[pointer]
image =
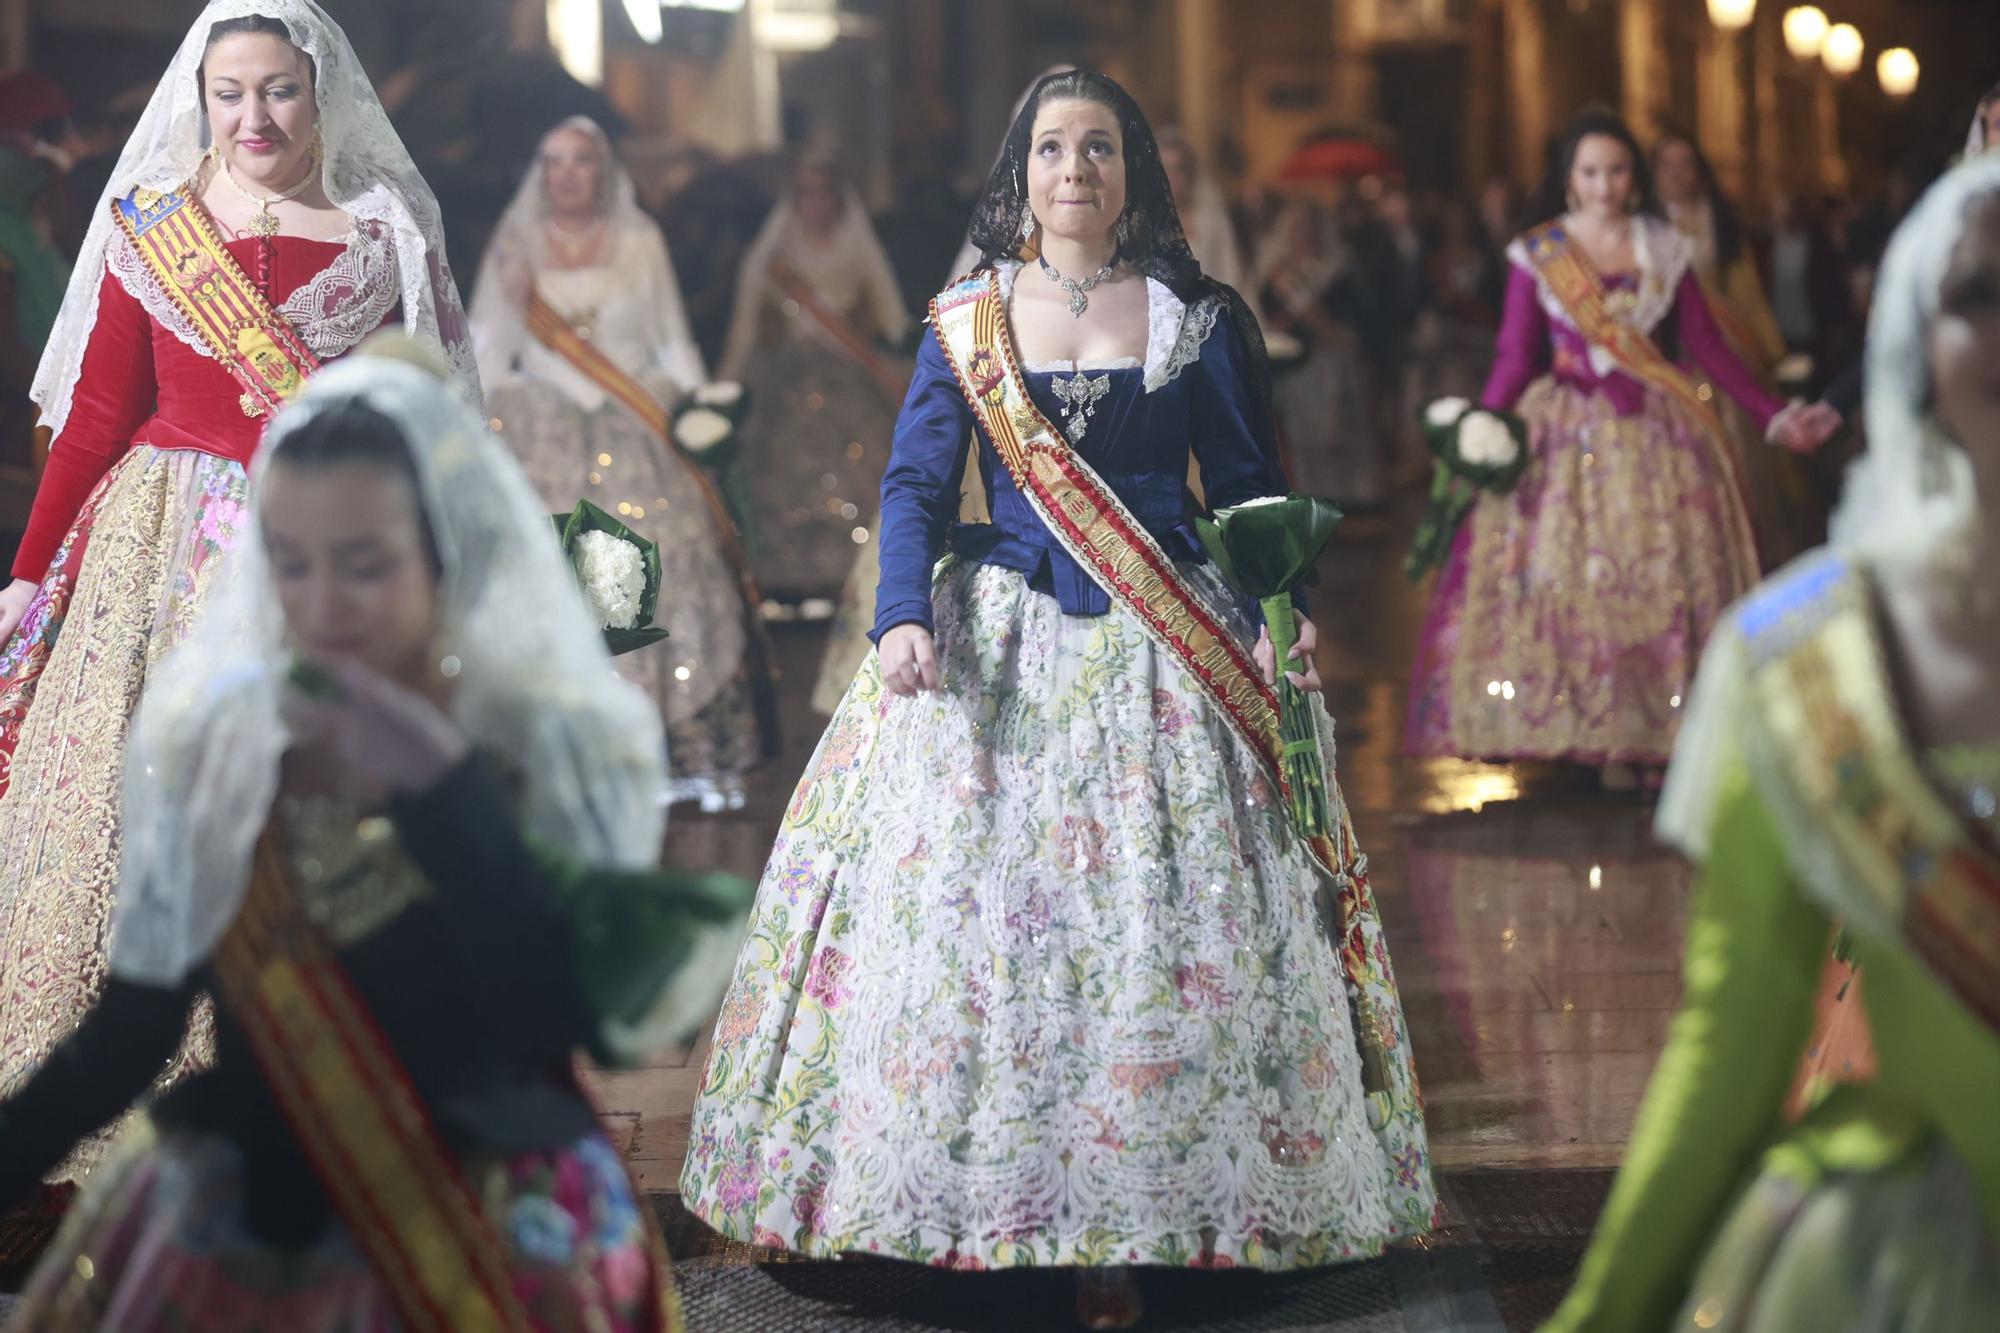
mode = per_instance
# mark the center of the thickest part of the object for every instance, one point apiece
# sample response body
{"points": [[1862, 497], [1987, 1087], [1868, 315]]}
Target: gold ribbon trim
{"points": [[353, 1109], [1095, 527], [1577, 286], [178, 242], [1823, 697]]}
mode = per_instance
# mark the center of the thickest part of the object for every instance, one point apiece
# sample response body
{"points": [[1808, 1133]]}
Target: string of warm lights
{"points": [[1810, 35]]}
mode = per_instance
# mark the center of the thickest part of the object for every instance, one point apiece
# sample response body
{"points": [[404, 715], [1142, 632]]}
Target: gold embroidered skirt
{"points": [[123, 590], [1570, 619]]}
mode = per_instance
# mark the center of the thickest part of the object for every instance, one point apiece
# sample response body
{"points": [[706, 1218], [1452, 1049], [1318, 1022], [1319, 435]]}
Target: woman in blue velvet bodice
{"points": [[1192, 393], [1037, 973]]}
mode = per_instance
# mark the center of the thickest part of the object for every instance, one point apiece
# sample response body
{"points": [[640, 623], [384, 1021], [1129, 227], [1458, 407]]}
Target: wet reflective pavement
{"points": [[1536, 930]]}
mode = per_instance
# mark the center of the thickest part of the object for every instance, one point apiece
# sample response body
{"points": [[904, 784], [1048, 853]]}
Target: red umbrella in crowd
{"points": [[1338, 159]]}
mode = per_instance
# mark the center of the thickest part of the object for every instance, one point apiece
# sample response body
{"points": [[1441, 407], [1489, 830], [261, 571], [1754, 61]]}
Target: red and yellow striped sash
{"points": [[180, 247], [352, 1107], [1096, 528]]}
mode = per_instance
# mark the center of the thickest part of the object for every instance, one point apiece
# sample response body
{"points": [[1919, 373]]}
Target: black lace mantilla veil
{"points": [[1153, 242]]}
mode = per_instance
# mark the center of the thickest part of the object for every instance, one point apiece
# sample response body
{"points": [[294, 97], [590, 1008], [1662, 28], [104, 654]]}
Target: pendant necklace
{"points": [[1078, 301], [572, 248], [264, 223]]}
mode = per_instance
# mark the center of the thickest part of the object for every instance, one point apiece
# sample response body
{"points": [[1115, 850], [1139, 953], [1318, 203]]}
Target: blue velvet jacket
{"points": [[1192, 394]]}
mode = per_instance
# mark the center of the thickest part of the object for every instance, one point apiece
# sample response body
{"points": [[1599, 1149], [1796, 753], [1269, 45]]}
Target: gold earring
{"points": [[318, 145]]}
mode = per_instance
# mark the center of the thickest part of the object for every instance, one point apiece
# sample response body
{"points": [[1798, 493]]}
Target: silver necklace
{"points": [[1078, 301]]}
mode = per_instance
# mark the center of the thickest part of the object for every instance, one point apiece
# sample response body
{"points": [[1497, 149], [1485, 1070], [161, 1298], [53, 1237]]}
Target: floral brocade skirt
{"points": [[1570, 618], [123, 589], [159, 1243], [1039, 975]]}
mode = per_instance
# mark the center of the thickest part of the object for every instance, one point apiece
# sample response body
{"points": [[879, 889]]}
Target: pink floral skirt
{"points": [[1572, 613], [158, 1244]]}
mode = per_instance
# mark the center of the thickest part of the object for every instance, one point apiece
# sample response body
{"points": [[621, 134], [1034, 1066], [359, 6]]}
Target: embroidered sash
{"points": [[1577, 286], [1101, 534], [351, 1106], [1096, 528], [180, 247], [1825, 711], [557, 334]]}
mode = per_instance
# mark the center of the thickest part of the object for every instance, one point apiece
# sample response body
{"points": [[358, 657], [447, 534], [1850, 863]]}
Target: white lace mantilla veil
{"points": [[1910, 493], [854, 246], [519, 249], [535, 687], [366, 171]]}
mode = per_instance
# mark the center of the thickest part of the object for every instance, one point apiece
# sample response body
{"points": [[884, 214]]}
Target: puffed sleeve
{"points": [[1232, 434], [920, 489], [1523, 345], [115, 393], [1704, 341], [1755, 947]]}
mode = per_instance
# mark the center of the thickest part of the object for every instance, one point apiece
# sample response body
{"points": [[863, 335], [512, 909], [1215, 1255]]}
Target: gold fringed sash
{"points": [[352, 1107], [1576, 285], [1826, 708], [181, 249], [1095, 527]]}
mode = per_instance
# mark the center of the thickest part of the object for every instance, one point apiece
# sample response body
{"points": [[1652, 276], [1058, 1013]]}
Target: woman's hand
{"points": [[390, 741], [15, 599], [1802, 427], [909, 660], [1302, 653]]}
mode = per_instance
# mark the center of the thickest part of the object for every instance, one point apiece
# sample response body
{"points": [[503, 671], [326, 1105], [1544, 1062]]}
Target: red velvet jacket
{"points": [[141, 384]]}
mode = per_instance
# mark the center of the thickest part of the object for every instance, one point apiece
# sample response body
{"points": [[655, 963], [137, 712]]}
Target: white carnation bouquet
{"points": [[618, 573], [1477, 449]]}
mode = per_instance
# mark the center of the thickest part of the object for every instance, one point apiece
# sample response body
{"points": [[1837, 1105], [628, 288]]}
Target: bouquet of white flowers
{"points": [[618, 572], [1477, 450], [706, 427]]}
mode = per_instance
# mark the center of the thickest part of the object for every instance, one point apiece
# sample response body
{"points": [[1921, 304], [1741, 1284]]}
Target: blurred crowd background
{"points": [[1356, 167]]}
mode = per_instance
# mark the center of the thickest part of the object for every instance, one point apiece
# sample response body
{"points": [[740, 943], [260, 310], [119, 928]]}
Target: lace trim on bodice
{"points": [[349, 298], [342, 304], [1175, 333], [1662, 254]]}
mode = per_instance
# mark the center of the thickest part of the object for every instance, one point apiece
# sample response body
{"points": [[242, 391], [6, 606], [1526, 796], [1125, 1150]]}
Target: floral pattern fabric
{"points": [[160, 1243], [1571, 616], [1038, 974]]}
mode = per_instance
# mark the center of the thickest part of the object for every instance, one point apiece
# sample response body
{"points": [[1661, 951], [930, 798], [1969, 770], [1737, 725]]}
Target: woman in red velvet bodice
{"points": [[142, 385], [320, 210]]}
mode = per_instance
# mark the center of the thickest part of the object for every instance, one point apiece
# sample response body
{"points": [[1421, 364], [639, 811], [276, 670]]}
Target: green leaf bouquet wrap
{"points": [[1477, 450], [707, 428], [1267, 548], [653, 949], [618, 572]]}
